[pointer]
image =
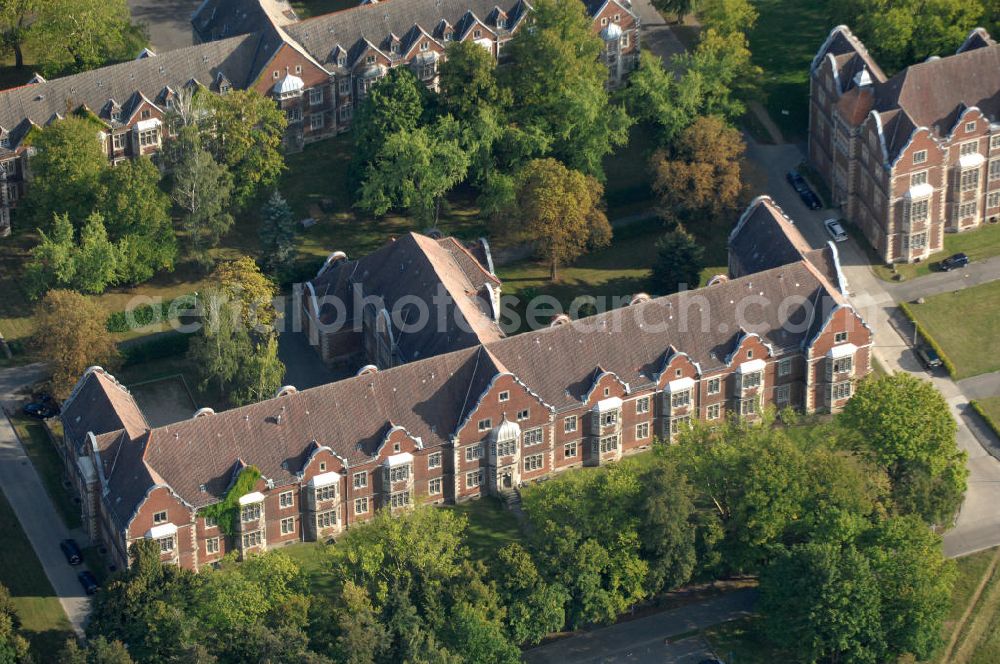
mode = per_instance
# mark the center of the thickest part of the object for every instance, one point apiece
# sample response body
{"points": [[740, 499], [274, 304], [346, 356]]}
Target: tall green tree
{"points": [[245, 137], [679, 8], [557, 83], [559, 210], [277, 234], [53, 260], [468, 81], [16, 22], [725, 72], [202, 189], [136, 213], [414, 170], [726, 16], [259, 375], [97, 260], [679, 261], [905, 425], [394, 104], [666, 527], [14, 648], [823, 603], [67, 171], [76, 35], [654, 95], [97, 651], [221, 344], [535, 607]]}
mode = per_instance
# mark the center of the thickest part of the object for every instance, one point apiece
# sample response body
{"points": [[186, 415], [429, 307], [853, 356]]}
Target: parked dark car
{"points": [[88, 581], [72, 551], [954, 262], [40, 411], [800, 185], [929, 357]]}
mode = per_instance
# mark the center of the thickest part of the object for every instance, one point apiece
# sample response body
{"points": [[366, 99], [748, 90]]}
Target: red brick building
{"points": [[478, 420], [913, 156], [318, 71]]}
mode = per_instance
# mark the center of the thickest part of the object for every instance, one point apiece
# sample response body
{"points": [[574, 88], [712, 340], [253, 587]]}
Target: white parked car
{"points": [[835, 230]]}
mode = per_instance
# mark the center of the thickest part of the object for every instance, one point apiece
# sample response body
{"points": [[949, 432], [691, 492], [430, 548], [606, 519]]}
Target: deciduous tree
{"points": [[679, 260], [16, 22], [76, 35], [656, 96], [14, 648], [560, 211], [726, 74], [202, 189], [680, 8], [53, 260], [535, 607], [726, 16], [394, 104], [97, 260], [468, 81], [70, 335]]}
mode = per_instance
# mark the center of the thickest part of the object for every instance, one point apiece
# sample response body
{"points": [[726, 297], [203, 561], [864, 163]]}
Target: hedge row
{"points": [[147, 314], [161, 346], [929, 340], [990, 422]]}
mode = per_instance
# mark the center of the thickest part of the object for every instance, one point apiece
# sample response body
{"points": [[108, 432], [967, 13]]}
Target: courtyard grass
{"points": [[743, 641], [43, 620], [49, 466], [977, 637], [309, 8], [783, 43], [973, 346], [491, 526]]}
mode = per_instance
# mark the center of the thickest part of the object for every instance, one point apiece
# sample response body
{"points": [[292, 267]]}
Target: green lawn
{"points": [[742, 641], [783, 43], [974, 345], [308, 8], [491, 526], [42, 617], [978, 244], [992, 407], [978, 638], [311, 557], [49, 466]]}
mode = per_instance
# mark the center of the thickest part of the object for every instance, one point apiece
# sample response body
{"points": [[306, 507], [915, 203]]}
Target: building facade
{"points": [[479, 420], [318, 71], [911, 157]]}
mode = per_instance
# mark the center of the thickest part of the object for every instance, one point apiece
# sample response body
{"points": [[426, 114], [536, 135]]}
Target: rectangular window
{"points": [[609, 444], [434, 486], [569, 424], [148, 137], [918, 211], [680, 399], [294, 114], [995, 142], [840, 337], [642, 405], [253, 539], [714, 385], [523, 415], [317, 121], [843, 365], [399, 474], [250, 513], [326, 493], [970, 127], [361, 505], [785, 366], [841, 391], [166, 544], [751, 380], [918, 241], [288, 525], [211, 522], [344, 86], [477, 34], [969, 179], [642, 431], [360, 480], [569, 450], [504, 396], [532, 437], [473, 452], [678, 424], [473, 479], [610, 418], [748, 406], [286, 499], [316, 96], [485, 425], [993, 200], [323, 520], [424, 46], [713, 411], [533, 462], [782, 394], [118, 141], [506, 448], [399, 499], [434, 461], [917, 179], [920, 156], [971, 147], [995, 169], [966, 210], [212, 545], [160, 517]]}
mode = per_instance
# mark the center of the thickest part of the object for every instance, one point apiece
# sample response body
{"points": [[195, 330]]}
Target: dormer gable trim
{"points": [[599, 374], [744, 336], [479, 400]]}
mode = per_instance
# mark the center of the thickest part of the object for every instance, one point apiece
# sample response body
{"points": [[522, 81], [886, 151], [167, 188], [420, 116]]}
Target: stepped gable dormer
{"points": [[111, 111], [978, 38], [498, 19], [444, 31], [472, 27], [676, 365], [392, 45], [222, 83], [338, 56]]}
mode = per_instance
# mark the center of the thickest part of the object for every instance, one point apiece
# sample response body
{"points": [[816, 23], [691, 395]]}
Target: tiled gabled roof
{"points": [[765, 238], [99, 404]]}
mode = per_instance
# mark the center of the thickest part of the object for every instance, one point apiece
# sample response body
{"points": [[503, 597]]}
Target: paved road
{"points": [[14, 381], [30, 502], [975, 274], [978, 525], [654, 32], [643, 640], [168, 22], [981, 387]]}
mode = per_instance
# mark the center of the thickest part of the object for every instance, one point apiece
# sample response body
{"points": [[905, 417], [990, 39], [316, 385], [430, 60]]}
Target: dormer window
{"points": [[920, 156], [341, 60], [970, 127], [370, 60], [477, 34], [4, 141], [501, 22], [424, 46], [145, 114], [394, 48], [116, 114], [449, 35]]}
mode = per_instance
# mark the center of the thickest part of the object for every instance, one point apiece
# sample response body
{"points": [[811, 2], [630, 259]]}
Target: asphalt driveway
{"points": [[168, 22]]}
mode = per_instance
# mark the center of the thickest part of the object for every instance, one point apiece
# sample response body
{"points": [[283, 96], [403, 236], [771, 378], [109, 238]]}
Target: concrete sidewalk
{"points": [[644, 639], [41, 523]]}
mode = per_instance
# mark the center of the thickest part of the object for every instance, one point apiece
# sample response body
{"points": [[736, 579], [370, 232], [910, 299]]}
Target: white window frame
{"points": [[503, 396], [474, 452], [323, 493], [714, 385], [569, 424], [680, 399], [533, 462], [399, 499], [252, 539], [212, 545], [315, 96], [286, 499], [326, 519], [360, 480], [485, 425], [287, 525], [160, 517], [399, 473], [523, 415], [317, 121], [434, 460], [782, 394], [920, 156], [642, 431], [435, 487], [167, 544], [473, 479], [969, 147], [361, 505], [251, 512], [642, 405], [571, 449], [785, 366], [532, 437], [713, 412]]}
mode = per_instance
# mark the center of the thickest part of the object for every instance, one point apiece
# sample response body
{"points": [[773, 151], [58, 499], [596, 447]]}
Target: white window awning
{"points": [[251, 498], [753, 366], [143, 125], [324, 479], [843, 350], [400, 459], [161, 531], [972, 160], [611, 403], [680, 385], [919, 191]]}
